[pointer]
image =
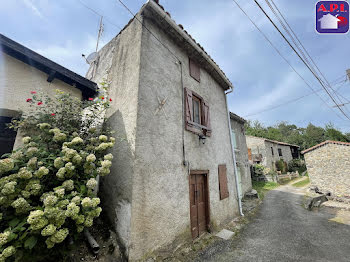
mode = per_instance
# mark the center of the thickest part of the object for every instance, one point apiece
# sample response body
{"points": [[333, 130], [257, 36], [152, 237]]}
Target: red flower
{"points": [[110, 100], [53, 114], [40, 103], [102, 98], [90, 99], [33, 92], [29, 100]]}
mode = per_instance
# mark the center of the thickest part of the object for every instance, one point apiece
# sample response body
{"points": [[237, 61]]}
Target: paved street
{"points": [[284, 231]]}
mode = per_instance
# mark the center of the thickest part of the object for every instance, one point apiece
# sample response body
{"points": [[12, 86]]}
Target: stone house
{"points": [[328, 166], [241, 153], [267, 152], [173, 176], [22, 71]]}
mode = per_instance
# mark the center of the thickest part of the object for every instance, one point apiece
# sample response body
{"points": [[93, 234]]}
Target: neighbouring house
{"points": [[172, 177], [267, 152], [328, 166], [241, 151], [22, 71]]}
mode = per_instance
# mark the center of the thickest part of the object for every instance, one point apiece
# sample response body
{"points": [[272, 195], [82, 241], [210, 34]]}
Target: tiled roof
{"points": [[237, 117], [325, 143], [275, 142], [220, 75]]}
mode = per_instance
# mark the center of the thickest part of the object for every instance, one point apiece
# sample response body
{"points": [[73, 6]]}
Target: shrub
{"points": [[281, 166], [258, 169], [46, 186], [296, 165]]}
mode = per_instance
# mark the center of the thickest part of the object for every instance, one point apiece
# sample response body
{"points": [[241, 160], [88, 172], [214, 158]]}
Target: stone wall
{"points": [[329, 168], [262, 146], [241, 152], [272, 159]]}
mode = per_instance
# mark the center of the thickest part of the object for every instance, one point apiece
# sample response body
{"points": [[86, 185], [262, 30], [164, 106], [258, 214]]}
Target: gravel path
{"points": [[284, 231]]}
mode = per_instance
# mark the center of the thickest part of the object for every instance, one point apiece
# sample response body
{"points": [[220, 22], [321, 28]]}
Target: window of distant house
{"points": [[195, 71], [272, 151], [197, 114], [234, 139], [7, 136], [280, 152]]}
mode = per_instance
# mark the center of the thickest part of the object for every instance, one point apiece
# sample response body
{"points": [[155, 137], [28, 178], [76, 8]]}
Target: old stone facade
{"points": [[23, 71], [241, 151], [328, 166], [148, 194], [267, 152]]}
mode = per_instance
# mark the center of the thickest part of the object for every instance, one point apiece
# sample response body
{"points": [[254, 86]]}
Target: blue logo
{"points": [[332, 17]]}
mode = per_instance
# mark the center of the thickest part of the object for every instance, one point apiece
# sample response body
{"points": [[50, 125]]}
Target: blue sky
{"points": [[63, 30]]}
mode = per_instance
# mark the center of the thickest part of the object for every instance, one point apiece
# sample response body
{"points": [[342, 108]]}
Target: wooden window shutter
{"points": [[206, 118], [195, 70], [188, 107], [223, 188], [249, 154]]}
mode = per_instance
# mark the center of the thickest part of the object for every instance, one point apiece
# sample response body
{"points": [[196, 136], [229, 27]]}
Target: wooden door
{"points": [[199, 211]]}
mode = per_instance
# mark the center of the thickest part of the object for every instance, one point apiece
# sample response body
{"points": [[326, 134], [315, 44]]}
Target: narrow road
{"points": [[284, 231]]}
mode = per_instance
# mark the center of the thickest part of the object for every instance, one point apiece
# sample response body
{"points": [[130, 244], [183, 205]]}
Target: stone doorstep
{"points": [[225, 234], [336, 204]]}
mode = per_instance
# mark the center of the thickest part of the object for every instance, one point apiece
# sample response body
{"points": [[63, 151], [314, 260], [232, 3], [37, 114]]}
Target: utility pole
{"points": [[348, 73], [100, 30]]}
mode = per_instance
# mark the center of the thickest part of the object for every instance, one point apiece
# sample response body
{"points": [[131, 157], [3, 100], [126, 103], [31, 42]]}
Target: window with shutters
{"points": [[195, 71], [223, 188], [196, 114]]}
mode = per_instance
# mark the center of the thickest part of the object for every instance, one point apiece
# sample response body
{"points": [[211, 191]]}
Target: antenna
{"points": [[93, 56], [100, 30]]}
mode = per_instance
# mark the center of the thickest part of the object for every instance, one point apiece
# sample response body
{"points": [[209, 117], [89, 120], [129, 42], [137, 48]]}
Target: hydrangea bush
{"points": [[47, 185]]}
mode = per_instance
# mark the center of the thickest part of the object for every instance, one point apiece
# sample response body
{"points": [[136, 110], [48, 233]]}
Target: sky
{"points": [[64, 30]]}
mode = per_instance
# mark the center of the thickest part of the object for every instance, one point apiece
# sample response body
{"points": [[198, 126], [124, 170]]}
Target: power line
{"points": [[293, 36], [283, 104], [134, 15], [276, 49], [306, 64], [99, 14]]}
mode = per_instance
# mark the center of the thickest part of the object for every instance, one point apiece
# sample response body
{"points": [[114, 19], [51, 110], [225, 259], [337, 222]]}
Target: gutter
{"points": [[233, 153]]}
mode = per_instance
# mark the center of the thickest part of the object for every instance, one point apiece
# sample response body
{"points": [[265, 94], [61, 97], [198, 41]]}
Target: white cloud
{"points": [[35, 10], [69, 53]]}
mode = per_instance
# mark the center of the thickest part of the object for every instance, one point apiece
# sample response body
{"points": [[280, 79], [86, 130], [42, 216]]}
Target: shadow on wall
{"points": [[116, 188]]}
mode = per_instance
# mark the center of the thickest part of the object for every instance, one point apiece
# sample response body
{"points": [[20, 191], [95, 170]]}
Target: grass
{"points": [[262, 187], [302, 183]]}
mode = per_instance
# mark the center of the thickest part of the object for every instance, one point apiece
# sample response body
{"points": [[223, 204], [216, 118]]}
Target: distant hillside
{"points": [[289, 133]]}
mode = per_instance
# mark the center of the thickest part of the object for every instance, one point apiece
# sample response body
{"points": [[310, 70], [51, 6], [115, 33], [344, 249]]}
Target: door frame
{"points": [[205, 173]]}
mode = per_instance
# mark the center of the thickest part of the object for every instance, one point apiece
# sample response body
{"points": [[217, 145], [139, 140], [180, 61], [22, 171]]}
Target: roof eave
{"points": [[164, 21], [31, 58]]}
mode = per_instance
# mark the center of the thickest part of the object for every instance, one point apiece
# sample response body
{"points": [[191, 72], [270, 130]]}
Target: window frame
{"points": [[280, 152], [273, 153], [192, 126], [194, 70]]}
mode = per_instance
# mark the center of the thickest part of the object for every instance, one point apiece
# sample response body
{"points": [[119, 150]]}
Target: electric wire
{"points": [[285, 59], [305, 63], [295, 39], [99, 14]]}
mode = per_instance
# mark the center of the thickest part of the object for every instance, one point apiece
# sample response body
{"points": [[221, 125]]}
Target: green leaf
{"points": [[30, 242], [11, 237], [23, 236], [14, 222]]}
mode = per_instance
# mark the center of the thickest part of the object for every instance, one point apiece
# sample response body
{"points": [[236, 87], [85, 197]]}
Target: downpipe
{"points": [[94, 246], [233, 154]]}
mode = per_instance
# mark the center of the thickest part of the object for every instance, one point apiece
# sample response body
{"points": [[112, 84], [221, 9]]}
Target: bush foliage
{"points": [[47, 185]]}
